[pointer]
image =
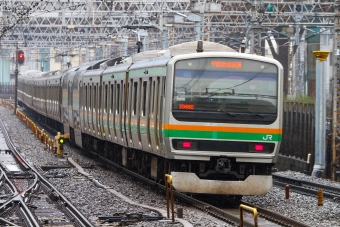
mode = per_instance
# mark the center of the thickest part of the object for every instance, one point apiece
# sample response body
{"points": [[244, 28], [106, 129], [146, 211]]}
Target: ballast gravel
{"points": [[94, 201]]}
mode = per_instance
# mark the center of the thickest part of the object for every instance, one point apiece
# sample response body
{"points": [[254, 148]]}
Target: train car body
{"points": [[210, 117]]}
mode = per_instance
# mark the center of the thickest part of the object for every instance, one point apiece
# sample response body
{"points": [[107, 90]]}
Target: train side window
{"points": [[94, 97], [153, 98], [70, 95], [105, 98], [86, 100], [135, 89], [129, 90], [112, 98], [117, 98], [145, 83], [90, 98]]}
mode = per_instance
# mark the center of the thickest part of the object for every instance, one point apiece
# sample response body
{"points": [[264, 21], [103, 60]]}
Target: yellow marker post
{"points": [[242, 206], [168, 183], [320, 197]]}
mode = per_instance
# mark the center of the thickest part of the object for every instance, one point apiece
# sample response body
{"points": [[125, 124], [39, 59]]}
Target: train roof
{"points": [[191, 47], [179, 49]]}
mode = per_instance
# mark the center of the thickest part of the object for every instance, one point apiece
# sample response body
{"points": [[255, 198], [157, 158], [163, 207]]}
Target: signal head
{"points": [[61, 140], [21, 57]]}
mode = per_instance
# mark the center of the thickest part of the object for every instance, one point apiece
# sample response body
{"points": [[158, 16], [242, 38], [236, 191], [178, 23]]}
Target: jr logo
{"points": [[268, 137]]}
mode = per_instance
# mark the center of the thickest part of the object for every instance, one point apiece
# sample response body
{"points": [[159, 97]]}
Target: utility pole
{"points": [[16, 72], [254, 28], [336, 94]]}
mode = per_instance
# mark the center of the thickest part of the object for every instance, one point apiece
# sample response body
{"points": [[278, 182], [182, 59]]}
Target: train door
{"points": [[154, 114], [45, 96], [96, 114], [48, 100], [128, 113], [82, 102], [135, 113], [70, 100], [89, 112], [76, 102], [124, 110], [118, 111], [104, 111], [144, 112], [86, 105], [65, 100], [160, 113], [112, 111], [93, 109]]}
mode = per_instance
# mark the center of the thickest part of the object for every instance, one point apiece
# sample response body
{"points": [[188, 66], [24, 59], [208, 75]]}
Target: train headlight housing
{"points": [[261, 147]]}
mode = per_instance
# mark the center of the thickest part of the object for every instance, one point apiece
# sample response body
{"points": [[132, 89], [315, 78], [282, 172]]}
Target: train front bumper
{"points": [[252, 185]]}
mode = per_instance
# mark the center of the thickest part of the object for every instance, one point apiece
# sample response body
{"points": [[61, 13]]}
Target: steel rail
{"points": [[208, 208], [275, 217], [2, 220], [78, 218], [11, 146], [307, 187]]}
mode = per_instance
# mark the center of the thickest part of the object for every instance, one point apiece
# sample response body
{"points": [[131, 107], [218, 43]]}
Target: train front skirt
{"points": [[253, 185]]}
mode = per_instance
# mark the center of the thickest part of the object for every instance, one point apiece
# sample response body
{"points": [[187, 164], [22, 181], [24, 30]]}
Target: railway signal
{"points": [[21, 57], [60, 143]]}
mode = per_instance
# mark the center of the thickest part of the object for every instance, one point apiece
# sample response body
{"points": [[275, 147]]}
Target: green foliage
{"points": [[305, 99]]}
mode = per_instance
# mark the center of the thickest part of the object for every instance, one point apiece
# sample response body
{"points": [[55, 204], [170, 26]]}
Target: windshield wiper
{"points": [[218, 93], [246, 109], [257, 95], [227, 113]]}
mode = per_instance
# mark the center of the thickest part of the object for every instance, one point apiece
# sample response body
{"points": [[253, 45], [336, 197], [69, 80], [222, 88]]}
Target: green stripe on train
{"points": [[223, 135]]}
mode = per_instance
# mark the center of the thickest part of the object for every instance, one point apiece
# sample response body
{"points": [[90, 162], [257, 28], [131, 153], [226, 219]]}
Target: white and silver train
{"points": [[200, 111]]}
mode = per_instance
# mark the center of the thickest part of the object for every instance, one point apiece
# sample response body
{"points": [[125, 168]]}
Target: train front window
{"points": [[224, 89]]}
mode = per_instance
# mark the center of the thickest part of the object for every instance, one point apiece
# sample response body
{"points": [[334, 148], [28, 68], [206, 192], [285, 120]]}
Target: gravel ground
{"points": [[94, 201], [91, 200]]}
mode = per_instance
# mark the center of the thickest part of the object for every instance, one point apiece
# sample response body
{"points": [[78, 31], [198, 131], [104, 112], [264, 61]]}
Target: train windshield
{"points": [[225, 85]]}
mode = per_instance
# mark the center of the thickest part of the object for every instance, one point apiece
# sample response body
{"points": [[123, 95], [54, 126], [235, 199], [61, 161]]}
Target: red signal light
{"points": [[21, 57], [186, 144], [258, 147]]}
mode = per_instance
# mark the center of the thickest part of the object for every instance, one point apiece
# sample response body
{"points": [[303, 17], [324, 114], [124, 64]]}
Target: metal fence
{"points": [[298, 130], [7, 88]]}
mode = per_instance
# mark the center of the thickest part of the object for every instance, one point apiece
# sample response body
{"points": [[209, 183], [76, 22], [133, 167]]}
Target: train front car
{"points": [[225, 125]]}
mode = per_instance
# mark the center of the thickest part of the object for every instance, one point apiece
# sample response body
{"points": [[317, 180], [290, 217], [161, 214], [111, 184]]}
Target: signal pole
{"points": [[16, 72]]}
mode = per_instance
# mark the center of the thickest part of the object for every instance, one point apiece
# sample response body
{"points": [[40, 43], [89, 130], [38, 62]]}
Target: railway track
{"points": [[307, 187], [228, 215], [231, 216], [29, 199]]}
